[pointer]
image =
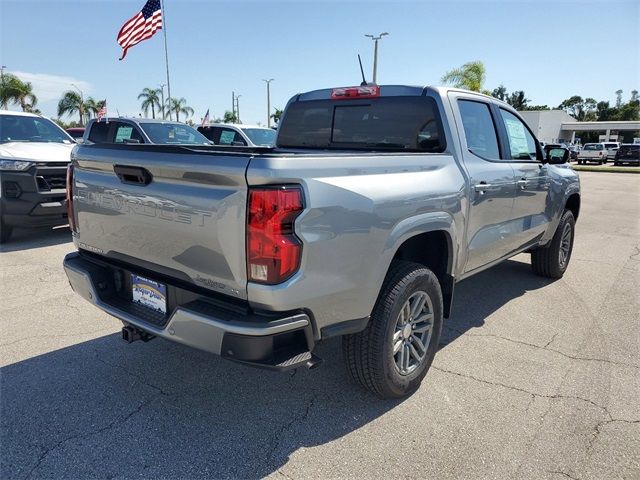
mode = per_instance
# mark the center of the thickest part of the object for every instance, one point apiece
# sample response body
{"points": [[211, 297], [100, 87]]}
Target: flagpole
{"points": [[166, 56]]}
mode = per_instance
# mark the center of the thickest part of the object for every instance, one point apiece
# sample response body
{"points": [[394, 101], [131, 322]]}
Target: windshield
{"points": [[173, 134], [386, 123], [18, 128], [592, 146], [261, 136]]}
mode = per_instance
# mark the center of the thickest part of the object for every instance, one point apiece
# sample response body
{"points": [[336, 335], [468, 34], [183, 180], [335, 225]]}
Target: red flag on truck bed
{"points": [[141, 26]]}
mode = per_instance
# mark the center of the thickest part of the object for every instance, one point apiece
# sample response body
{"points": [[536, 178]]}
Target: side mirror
{"points": [[556, 156]]}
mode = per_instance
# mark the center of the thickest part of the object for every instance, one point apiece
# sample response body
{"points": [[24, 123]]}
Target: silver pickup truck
{"points": [[374, 203]]}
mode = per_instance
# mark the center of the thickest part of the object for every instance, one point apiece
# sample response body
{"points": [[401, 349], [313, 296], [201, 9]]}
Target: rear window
{"points": [[630, 149], [386, 123], [592, 146]]}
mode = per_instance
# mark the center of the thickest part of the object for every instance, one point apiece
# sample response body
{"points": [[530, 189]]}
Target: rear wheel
{"points": [[552, 261], [393, 354]]}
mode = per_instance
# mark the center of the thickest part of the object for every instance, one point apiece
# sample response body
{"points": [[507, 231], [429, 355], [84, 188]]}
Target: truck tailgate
{"points": [[165, 209]]}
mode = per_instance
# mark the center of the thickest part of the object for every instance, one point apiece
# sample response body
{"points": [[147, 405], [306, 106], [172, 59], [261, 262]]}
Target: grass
{"points": [[605, 168]]}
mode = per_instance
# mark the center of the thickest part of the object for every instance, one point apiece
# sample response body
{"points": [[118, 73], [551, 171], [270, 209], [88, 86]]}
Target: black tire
{"points": [[5, 232], [546, 261], [369, 354]]}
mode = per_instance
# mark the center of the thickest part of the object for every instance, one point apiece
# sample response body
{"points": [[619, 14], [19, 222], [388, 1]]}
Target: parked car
{"points": [[573, 152], [142, 130], [628, 153], [375, 202], [34, 155], [592, 152], [239, 135], [76, 132], [612, 149]]}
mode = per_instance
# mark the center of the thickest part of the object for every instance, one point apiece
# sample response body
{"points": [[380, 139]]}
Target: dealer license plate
{"points": [[151, 294]]}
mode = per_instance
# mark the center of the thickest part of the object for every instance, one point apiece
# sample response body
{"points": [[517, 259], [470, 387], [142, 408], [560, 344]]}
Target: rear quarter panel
{"points": [[360, 208]]}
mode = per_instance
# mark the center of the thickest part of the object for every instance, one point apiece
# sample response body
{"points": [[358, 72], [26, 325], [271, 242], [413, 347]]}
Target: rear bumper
{"points": [[279, 342]]}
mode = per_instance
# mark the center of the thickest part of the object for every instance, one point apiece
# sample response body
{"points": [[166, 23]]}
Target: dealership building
{"points": [[557, 126]]}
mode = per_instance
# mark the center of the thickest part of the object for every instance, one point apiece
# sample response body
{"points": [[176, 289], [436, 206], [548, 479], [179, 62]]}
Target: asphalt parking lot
{"points": [[534, 379]]}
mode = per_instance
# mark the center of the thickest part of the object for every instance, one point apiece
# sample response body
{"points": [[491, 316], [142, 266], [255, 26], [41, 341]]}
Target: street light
{"points": [[375, 53], [268, 82]]}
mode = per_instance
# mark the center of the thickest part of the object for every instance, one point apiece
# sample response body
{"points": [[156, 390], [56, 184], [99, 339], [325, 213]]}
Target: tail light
{"points": [[273, 250], [72, 220]]}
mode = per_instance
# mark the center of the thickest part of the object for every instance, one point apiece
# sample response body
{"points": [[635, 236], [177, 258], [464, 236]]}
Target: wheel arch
{"points": [[432, 244]]}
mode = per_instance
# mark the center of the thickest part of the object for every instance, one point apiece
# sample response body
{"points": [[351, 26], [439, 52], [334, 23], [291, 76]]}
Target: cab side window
{"points": [[479, 129], [99, 132], [230, 137], [124, 132], [522, 145]]}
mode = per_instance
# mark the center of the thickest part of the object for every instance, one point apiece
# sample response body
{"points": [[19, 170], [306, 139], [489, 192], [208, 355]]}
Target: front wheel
{"points": [[552, 261], [393, 354]]}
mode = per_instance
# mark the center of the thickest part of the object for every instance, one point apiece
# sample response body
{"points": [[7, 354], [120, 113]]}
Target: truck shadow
{"points": [[104, 408], [26, 239]]}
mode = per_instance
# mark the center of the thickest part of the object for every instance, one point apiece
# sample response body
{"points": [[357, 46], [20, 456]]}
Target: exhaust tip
{"points": [[314, 362]]}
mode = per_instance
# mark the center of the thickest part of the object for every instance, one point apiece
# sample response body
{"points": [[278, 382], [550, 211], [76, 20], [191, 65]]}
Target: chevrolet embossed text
{"points": [[147, 208]]}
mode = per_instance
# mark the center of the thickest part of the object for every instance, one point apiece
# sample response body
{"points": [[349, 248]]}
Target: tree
{"points": [[276, 115], [92, 107], [150, 99], [70, 103], [179, 105], [618, 98], [470, 76], [583, 110], [500, 93], [230, 117], [518, 100], [634, 95], [15, 91]]}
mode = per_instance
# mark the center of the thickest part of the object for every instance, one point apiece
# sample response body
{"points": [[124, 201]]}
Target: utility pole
{"points": [[268, 82], [162, 85], [233, 103], [238, 109], [375, 53]]}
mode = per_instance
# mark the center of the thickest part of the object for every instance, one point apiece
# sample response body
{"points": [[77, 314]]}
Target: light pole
{"points": [[238, 108], [162, 85], [375, 53], [82, 112], [268, 82]]}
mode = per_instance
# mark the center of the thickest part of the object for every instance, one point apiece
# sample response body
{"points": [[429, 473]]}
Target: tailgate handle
{"points": [[133, 175]]}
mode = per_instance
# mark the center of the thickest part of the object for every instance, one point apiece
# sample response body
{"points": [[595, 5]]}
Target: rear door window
{"points": [[125, 133], [479, 129]]}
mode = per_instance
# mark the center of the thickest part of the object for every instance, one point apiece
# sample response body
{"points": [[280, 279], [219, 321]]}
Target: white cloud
{"points": [[51, 87]]}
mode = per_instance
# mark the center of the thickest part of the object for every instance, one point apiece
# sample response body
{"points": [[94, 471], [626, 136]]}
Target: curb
{"points": [[587, 168]]}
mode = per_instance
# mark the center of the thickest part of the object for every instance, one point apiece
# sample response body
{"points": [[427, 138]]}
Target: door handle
{"points": [[133, 175], [522, 183], [482, 187]]}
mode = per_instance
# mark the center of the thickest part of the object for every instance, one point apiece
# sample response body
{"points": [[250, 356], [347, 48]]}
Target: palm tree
{"points": [[25, 96], [92, 107], [14, 90], [276, 115], [470, 76], [179, 105], [150, 99], [70, 103]]}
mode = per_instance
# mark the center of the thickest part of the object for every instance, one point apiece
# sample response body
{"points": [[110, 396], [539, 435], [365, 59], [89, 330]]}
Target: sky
{"points": [[550, 49]]}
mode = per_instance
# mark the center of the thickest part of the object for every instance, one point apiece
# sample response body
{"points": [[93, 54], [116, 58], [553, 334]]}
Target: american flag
{"points": [[205, 120], [141, 26], [103, 111]]}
